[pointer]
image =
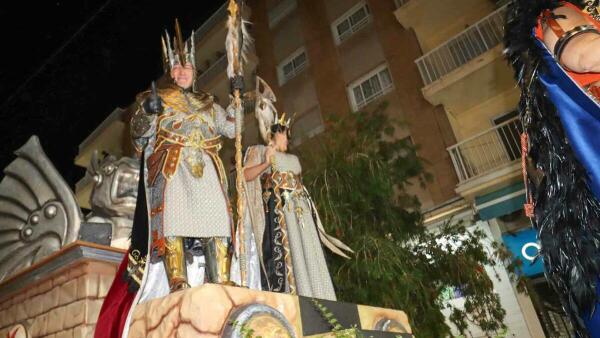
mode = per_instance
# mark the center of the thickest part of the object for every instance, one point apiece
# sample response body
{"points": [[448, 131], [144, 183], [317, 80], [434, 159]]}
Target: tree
{"points": [[359, 181]]}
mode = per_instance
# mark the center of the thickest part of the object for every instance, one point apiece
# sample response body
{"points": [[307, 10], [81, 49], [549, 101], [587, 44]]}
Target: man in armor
{"points": [[178, 131], [181, 230]]}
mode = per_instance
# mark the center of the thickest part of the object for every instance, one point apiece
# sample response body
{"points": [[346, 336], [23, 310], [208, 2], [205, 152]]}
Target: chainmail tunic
{"points": [[192, 206]]}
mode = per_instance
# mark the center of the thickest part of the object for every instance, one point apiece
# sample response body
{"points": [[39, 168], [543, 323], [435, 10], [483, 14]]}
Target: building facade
{"points": [[463, 72], [337, 57]]}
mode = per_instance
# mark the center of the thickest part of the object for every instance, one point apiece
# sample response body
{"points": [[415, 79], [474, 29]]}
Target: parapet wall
{"points": [[61, 296]]}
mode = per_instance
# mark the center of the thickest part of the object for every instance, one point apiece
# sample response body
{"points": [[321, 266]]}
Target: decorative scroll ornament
{"points": [[592, 7], [38, 211], [260, 320]]}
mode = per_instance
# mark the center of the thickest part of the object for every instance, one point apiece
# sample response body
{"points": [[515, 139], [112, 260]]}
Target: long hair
{"points": [[279, 128]]}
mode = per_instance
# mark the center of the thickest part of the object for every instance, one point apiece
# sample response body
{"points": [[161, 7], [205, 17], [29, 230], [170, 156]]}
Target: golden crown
{"points": [[282, 121]]}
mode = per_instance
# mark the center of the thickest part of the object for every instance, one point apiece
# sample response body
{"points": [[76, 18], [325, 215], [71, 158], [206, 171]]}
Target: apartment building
{"points": [[340, 56]]}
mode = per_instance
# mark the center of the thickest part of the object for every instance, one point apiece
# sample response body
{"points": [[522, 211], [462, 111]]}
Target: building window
{"points": [[351, 22], [371, 86], [292, 65], [280, 11]]}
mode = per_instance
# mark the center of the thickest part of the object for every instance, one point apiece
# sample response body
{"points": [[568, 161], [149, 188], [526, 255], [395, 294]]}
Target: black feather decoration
{"points": [[567, 214]]}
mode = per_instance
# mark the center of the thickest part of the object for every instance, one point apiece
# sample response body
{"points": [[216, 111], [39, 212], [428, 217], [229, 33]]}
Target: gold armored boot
{"points": [[217, 259], [175, 264]]}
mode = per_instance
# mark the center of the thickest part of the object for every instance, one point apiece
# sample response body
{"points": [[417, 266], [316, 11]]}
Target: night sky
{"points": [[60, 84]]}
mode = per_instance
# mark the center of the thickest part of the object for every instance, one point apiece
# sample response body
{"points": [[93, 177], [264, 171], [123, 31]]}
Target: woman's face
{"points": [[280, 141]]}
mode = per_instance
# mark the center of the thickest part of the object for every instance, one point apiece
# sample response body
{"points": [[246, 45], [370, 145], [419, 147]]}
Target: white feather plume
{"points": [[232, 43], [264, 109]]}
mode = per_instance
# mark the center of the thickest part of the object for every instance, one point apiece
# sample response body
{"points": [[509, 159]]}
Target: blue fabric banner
{"points": [[580, 117]]}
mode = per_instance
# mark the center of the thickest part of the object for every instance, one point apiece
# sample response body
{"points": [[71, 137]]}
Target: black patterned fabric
{"points": [[272, 248]]}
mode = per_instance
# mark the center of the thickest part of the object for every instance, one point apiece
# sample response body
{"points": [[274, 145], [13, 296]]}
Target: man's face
{"points": [[183, 75]]}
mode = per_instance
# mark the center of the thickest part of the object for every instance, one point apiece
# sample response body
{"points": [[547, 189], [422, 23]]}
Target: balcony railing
{"points": [[216, 68], [462, 48], [487, 151], [400, 3]]}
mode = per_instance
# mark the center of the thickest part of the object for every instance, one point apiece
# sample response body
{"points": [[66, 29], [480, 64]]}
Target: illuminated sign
{"points": [[524, 245]]}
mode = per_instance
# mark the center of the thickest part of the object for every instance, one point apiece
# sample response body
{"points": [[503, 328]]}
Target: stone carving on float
{"points": [[38, 210], [114, 195], [263, 320]]}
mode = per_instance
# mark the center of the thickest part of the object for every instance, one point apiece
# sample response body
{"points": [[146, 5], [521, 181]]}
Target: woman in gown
{"points": [[284, 222]]}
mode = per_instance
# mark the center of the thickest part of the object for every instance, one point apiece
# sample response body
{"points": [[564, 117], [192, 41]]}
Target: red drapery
{"points": [[115, 308]]}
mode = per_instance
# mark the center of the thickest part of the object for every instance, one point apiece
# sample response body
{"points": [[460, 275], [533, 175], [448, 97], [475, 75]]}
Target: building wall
{"points": [[335, 8], [429, 126], [322, 88], [471, 122], [472, 91], [360, 54], [325, 69], [287, 36], [444, 18], [521, 320], [65, 303], [471, 95]]}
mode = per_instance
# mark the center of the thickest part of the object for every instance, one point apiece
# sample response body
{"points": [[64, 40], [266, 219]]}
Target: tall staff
{"points": [[236, 46]]}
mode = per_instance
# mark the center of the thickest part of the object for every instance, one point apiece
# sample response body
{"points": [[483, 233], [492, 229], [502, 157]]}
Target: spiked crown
{"points": [[280, 120], [177, 51]]}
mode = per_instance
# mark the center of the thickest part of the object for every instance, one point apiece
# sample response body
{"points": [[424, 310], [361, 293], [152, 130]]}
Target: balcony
{"points": [[215, 69], [469, 70], [400, 3], [462, 48], [488, 159]]}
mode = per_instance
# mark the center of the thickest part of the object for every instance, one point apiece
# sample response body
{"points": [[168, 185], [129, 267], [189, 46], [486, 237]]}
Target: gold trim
{"points": [[284, 238], [287, 180]]}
